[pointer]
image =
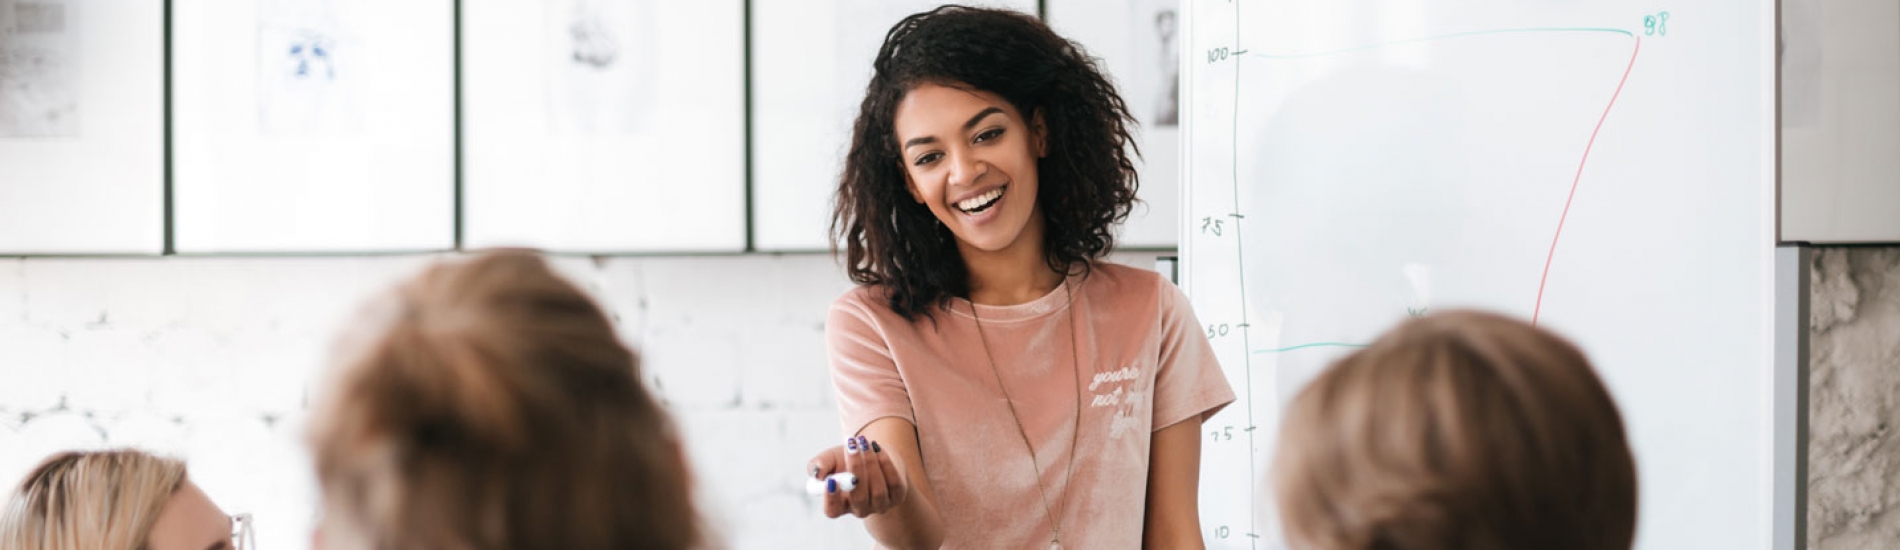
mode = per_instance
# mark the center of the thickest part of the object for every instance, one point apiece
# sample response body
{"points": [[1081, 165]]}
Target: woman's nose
{"points": [[967, 170]]}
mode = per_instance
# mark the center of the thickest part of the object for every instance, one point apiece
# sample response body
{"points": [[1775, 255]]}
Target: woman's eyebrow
{"points": [[979, 117], [913, 142]]}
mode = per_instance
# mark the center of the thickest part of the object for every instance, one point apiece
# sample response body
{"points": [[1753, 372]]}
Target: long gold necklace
{"points": [[1055, 519]]}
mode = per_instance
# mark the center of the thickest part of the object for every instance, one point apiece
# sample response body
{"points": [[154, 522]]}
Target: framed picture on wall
{"points": [[313, 125], [810, 64], [81, 127], [604, 126], [1139, 44]]}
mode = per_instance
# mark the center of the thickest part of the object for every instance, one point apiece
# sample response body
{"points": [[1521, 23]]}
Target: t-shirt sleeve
{"points": [[863, 373], [1189, 384]]}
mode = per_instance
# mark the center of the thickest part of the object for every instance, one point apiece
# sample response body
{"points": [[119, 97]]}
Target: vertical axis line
{"points": [[1240, 268]]}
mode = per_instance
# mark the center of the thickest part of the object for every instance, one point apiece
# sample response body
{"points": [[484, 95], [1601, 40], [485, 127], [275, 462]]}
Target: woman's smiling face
{"points": [[970, 157]]}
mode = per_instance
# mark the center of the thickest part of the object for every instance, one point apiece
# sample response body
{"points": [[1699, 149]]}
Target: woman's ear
{"points": [[1041, 132]]}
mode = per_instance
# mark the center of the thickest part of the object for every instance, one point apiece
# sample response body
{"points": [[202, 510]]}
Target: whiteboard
{"points": [[313, 125], [1840, 121], [1598, 166], [604, 126], [81, 82], [810, 64], [1137, 43]]}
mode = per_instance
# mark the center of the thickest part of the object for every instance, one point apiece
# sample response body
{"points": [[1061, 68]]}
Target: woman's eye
{"points": [[989, 135], [927, 158]]}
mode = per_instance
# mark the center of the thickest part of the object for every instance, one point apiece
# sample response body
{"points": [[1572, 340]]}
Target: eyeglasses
{"points": [[241, 535]]}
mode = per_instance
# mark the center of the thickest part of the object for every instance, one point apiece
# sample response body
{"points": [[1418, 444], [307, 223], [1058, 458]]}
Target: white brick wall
{"points": [[210, 359]]}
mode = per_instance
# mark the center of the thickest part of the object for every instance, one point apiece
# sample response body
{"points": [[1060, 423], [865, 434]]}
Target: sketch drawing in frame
{"points": [[39, 73], [306, 81], [603, 62]]}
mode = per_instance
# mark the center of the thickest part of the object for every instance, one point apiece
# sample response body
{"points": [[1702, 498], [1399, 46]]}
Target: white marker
{"points": [[846, 482]]}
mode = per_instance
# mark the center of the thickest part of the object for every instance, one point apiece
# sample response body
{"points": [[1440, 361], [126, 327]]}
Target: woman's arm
{"points": [[914, 523], [893, 494], [1174, 478]]}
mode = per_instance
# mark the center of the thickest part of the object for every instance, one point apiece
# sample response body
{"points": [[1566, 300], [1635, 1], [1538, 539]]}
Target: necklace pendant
{"points": [[1055, 544]]}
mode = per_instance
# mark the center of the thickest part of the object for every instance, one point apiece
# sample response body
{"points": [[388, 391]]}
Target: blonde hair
{"points": [[492, 407], [1459, 430], [99, 500]]}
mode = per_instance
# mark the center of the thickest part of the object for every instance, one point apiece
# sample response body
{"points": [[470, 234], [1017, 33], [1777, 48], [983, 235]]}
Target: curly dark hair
{"points": [[1087, 179]]}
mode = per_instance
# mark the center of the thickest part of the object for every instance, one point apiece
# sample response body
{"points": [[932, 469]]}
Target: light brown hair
{"points": [[99, 500], [488, 405], [1460, 430]]}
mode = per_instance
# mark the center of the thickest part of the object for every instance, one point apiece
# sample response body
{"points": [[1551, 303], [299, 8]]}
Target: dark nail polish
{"points": [[851, 444], [875, 448], [863, 443], [814, 471], [831, 486]]}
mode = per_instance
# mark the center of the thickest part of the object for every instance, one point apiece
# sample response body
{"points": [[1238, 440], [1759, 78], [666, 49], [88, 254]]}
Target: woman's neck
{"points": [[1016, 274]]}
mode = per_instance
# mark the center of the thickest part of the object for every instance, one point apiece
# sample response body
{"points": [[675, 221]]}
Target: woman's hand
{"points": [[882, 481], [892, 492]]}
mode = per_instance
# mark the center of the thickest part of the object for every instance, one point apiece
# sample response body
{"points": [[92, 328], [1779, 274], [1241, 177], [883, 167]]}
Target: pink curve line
{"points": [[1539, 307]]}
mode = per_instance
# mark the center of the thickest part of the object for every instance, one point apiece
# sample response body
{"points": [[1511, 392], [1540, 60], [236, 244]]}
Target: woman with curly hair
{"points": [[1001, 386]]}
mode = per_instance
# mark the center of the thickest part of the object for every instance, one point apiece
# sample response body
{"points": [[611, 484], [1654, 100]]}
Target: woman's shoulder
{"points": [[1118, 281], [868, 304], [1133, 292], [866, 311], [862, 299]]}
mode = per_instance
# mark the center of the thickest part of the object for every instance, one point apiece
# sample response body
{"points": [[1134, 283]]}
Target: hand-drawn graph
{"points": [[1353, 163], [601, 57], [39, 82]]}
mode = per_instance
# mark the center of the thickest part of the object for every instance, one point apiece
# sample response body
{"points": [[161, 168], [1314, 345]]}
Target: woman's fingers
{"points": [[877, 483], [836, 506], [873, 475], [824, 463], [856, 452], [828, 462], [894, 481]]}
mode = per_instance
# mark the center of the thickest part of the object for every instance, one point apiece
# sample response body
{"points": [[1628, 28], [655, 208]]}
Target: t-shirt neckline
{"points": [[1052, 302]]}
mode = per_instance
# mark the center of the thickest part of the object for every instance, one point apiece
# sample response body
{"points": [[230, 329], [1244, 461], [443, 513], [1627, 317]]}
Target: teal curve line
{"points": [[1441, 37], [1312, 345]]}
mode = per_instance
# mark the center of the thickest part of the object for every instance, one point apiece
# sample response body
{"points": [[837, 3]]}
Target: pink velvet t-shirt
{"points": [[1144, 365]]}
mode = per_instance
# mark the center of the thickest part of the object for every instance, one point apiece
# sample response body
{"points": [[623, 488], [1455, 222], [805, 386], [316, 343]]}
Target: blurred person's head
{"points": [[1459, 430], [112, 500], [487, 404]]}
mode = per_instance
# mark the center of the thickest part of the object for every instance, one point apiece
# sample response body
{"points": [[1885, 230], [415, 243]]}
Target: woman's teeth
{"points": [[981, 202]]}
